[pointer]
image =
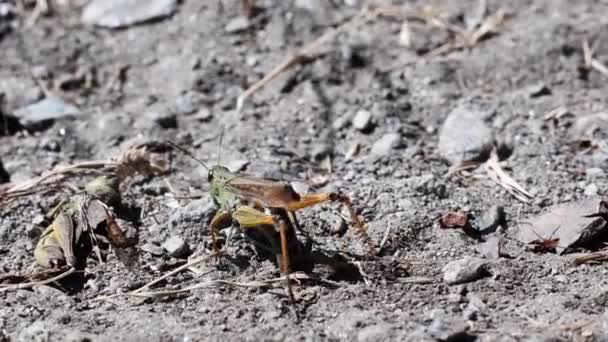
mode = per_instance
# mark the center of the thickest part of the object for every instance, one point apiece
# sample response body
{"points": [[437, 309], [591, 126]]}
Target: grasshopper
{"points": [[257, 203], [71, 218]]}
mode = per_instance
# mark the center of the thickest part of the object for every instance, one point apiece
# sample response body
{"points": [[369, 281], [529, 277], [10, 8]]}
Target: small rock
{"points": [[320, 151], [341, 122], [594, 172], [591, 190], [464, 270], [123, 13], [237, 165], [363, 120], [4, 176], [376, 332], [203, 115], [300, 187], [386, 144], [538, 90], [491, 219], [585, 126], [475, 307], [45, 111], [152, 249], [176, 246], [238, 24], [165, 119], [195, 211], [490, 248], [464, 136]]}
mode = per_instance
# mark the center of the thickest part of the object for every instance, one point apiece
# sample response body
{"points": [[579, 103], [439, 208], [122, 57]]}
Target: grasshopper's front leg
{"points": [[216, 223], [309, 200]]}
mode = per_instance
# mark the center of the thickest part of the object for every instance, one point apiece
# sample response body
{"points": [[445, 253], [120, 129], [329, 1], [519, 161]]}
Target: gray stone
{"points": [[490, 248], [238, 24], [46, 110], [152, 249], [491, 219], [376, 332], [320, 151], [237, 165], [591, 190], [195, 211], [123, 13], [176, 246], [386, 144], [362, 120], [464, 136], [464, 270], [565, 222], [4, 176]]}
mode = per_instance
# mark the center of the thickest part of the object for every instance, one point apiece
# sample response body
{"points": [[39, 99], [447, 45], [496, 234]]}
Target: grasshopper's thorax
{"points": [[222, 196]]}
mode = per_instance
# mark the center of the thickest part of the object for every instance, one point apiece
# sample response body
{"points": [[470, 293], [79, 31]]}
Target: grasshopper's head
{"points": [[218, 176]]}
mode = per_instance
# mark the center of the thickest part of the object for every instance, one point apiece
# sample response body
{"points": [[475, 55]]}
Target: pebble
{"points": [[163, 118], [195, 211], [491, 219], [490, 248], [237, 165], [464, 270], [320, 151], [152, 249], [203, 115], [376, 332], [46, 110], [475, 307], [176, 246], [363, 120], [464, 136], [591, 190], [238, 24], [386, 144], [123, 13], [4, 176]]}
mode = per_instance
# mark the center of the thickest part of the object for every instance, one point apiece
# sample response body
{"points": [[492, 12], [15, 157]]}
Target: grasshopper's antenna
{"points": [[219, 146], [188, 153]]}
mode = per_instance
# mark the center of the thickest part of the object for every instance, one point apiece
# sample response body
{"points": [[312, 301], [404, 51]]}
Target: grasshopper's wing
{"points": [[265, 193]]}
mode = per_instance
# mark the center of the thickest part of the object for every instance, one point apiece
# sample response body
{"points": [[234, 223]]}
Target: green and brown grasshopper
{"points": [[257, 203], [59, 243]]}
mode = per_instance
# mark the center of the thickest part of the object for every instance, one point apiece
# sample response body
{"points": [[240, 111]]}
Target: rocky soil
{"points": [[410, 112]]}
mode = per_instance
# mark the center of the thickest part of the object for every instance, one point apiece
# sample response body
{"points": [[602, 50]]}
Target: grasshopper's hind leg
{"points": [[249, 217], [309, 200]]}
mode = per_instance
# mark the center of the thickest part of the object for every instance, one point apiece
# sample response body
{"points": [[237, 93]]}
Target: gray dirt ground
{"points": [[287, 129]]}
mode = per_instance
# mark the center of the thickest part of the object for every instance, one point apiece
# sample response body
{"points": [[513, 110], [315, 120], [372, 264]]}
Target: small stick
{"points": [[498, 175], [175, 271], [9, 287], [387, 233], [308, 52]]}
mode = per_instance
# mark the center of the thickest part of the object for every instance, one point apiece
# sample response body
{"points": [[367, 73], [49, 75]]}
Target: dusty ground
{"points": [[182, 76]]}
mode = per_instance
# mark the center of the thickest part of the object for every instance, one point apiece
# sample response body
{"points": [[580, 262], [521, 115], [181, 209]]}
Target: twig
{"points": [[498, 175], [9, 287], [308, 52], [416, 280], [593, 257], [387, 233], [213, 283], [175, 271], [590, 62]]}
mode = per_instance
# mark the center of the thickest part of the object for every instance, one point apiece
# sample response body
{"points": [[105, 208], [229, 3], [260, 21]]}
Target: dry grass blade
{"points": [[591, 258], [219, 282], [590, 62], [175, 271], [139, 160], [308, 52], [54, 179], [11, 287], [498, 175]]}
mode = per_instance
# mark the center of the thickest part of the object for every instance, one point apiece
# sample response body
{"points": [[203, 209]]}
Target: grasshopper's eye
{"points": [[210, 176]]}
